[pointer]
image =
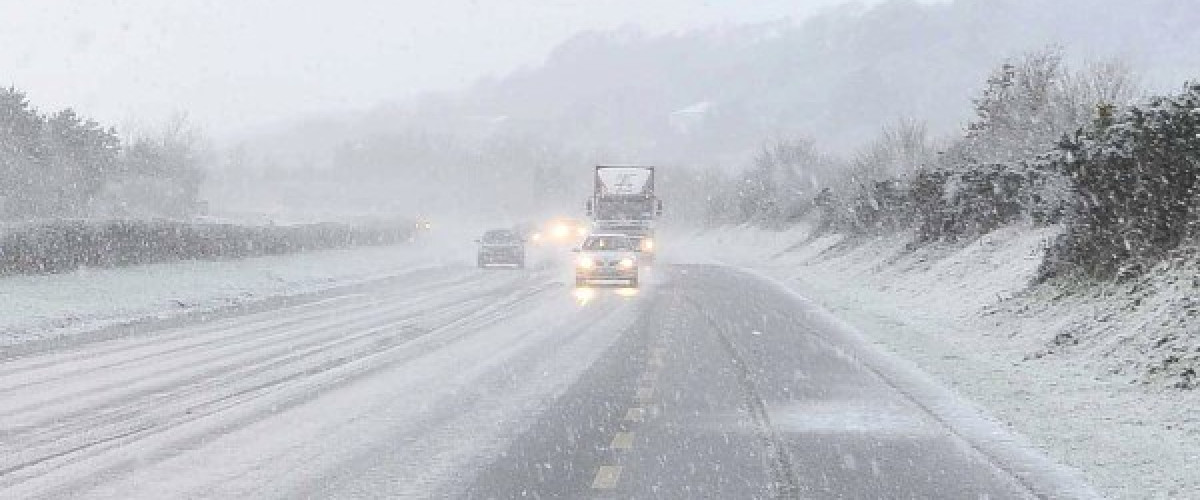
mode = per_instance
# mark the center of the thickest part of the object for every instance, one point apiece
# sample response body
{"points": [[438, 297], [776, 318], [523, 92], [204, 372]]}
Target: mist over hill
{"points": [[712, 97], [836, 77]]}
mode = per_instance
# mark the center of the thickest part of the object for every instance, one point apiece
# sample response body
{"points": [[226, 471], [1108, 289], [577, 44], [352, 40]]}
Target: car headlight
{"points": [[586, 263], [647, 245], [561, 231], [626, 263]]}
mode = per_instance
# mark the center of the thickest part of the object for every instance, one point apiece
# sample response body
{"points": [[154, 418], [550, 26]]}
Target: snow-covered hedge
{"points": [[977, 199], [67, 245], [1136, 182]]}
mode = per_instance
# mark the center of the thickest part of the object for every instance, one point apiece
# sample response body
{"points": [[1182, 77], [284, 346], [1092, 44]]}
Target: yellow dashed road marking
{"points": [[607, 477], [622, 441], [656, 356], [636, 414]]}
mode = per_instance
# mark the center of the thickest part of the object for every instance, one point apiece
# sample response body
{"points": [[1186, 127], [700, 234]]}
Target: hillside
{"points": [[713, 97]]}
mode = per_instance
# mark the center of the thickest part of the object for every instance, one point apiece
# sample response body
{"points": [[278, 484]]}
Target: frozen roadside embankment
{"points": [[39, 307], [951, 310]]}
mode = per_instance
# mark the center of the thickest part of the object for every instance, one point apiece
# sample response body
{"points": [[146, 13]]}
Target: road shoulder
{"points": [[1008, 449]]}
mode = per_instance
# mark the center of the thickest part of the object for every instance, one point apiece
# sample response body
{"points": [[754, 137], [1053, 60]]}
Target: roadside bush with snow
{"points": [[1136, 180], [67, 245], [974, 200]]}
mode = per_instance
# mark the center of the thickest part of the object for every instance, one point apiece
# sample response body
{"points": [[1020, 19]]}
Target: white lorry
{"points": [[623, 202]]}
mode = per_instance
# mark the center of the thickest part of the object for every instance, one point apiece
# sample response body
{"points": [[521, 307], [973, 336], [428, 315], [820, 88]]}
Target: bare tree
{"points": [[901, 148], [1108, 83], [1030, 102]]}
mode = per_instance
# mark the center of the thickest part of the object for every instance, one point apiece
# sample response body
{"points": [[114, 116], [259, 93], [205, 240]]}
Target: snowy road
{"points": [[453, 382]]}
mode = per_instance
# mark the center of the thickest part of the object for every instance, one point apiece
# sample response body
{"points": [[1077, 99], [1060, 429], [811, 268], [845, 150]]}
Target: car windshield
{"points": [[607, 242], [500, 238]]}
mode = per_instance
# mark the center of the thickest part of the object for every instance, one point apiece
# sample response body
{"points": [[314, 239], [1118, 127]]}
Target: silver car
{"points": [[606, 259]]}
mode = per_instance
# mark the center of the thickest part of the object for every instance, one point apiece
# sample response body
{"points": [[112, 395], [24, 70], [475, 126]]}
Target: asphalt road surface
{"points": [[453, 382]]}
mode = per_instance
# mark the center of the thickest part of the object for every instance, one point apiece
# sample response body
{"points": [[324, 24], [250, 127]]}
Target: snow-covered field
{"points": [[963, 314], [57, 305]]}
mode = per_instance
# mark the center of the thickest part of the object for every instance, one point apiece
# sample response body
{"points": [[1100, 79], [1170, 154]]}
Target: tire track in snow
{"points": [[786, 483], [455, 312], [215, 357], [88, 356]]}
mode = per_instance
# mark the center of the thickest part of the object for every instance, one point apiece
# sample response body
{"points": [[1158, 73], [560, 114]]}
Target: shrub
{"points": [[1135, 179], [67, 245]]}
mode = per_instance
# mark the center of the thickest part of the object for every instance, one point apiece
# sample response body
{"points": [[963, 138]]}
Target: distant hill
{"points": [[712, 97], [836, 77]]}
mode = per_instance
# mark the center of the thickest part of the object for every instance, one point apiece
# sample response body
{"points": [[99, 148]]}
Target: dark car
{"points": [[501, 247]]}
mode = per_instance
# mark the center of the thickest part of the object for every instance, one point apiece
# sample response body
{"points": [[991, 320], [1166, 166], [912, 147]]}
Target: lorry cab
{"points": [[623, 201]]}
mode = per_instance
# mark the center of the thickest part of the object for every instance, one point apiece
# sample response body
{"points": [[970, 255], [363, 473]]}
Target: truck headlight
{"points": [[626, 263], [586, 263]]}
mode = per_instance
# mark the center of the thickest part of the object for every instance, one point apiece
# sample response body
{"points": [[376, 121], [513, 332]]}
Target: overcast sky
{"points": [[237, 64]]}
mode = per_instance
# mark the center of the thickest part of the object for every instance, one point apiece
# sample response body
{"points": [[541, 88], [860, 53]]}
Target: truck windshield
{"points": [[624, 209]]}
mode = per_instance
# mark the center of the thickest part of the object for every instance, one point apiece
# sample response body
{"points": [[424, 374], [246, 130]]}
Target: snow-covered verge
{"points": [[1146, 330], [55, 305], [1076, 373]]}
